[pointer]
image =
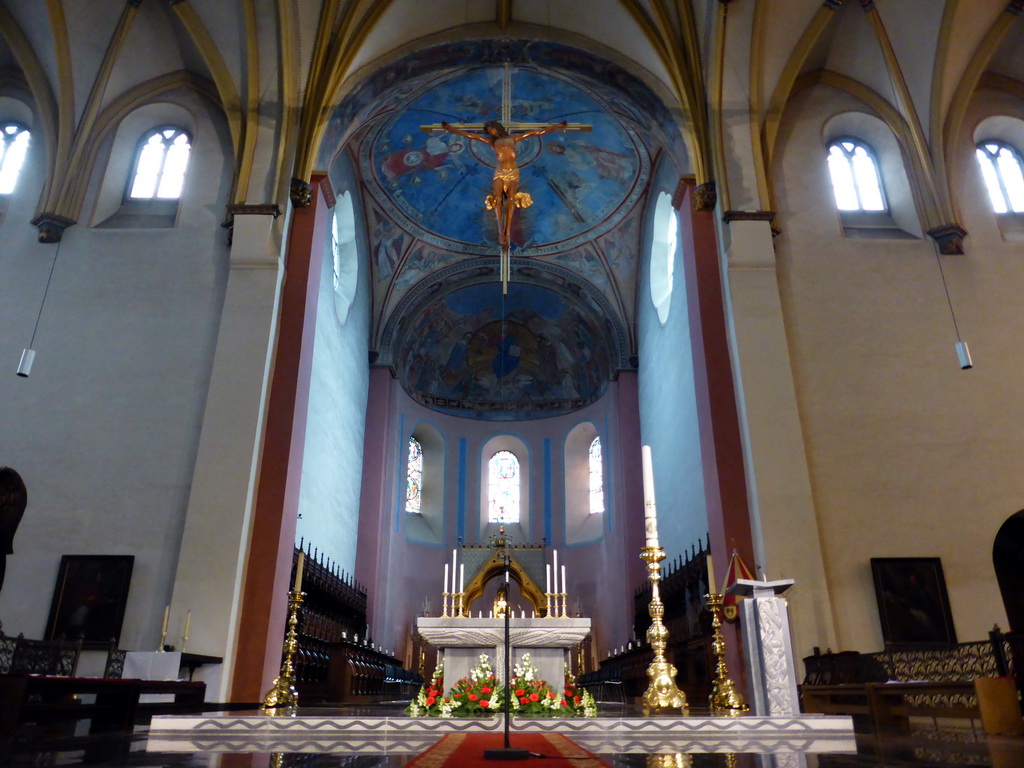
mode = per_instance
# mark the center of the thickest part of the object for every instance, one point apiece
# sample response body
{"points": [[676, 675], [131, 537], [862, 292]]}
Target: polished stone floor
{"points": [[925, 746]]}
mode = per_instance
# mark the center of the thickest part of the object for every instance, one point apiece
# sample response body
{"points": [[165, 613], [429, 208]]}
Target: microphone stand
{"points": [[507, 752]]}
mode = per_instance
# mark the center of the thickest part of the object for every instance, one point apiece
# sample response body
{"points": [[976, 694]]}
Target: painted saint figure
{"points": [[506, 196]]}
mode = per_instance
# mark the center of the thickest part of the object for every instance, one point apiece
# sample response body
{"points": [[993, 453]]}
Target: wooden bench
{"points": [[43, 698], [891, 705]]}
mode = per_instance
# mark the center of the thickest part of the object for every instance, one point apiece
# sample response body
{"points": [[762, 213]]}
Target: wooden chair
{"points": [[44, 657]]}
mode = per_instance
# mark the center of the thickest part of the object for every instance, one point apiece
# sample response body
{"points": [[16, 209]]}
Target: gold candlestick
{"points": [[444, 601], [677, 760], [662, 694], [724, 699], [282, 698]]}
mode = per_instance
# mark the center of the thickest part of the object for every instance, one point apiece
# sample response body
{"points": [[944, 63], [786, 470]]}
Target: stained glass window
{"points": [[414, 478], [503, 488], [1003, 171], [596, 478], [160, 165], [13, 146], [855, 179]]}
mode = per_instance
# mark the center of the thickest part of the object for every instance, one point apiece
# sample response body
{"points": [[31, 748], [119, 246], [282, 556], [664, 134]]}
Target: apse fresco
{"points": [[529, 354], [437, 182]]}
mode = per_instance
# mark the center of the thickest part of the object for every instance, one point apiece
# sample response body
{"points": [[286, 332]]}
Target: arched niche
{"points": [[427, 526], [581, 526], [517, 532], [901, 220]]}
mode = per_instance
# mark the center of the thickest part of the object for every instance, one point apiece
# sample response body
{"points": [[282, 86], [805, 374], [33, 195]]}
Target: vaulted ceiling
{"points": [[302, 83]]}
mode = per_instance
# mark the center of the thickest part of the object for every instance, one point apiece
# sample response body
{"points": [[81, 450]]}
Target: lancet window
{"points": [[13, 147], [414, 478], [1003, 171], [160, 165], [503, 488], [856, 181], [596, 478]]}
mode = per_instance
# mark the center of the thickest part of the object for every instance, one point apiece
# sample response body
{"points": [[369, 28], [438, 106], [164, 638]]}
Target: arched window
{"points": [[503, 488], [855, 179], [160, 165], [596, 478], [414, 478], [663, 254], [12, 154], [1003, 171]]}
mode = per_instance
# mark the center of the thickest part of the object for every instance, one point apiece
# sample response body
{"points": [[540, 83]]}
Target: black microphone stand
{"points": [[507, 752]]}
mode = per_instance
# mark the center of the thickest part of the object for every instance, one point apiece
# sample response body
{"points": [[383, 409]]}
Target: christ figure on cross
{"points": [[506, 196]]}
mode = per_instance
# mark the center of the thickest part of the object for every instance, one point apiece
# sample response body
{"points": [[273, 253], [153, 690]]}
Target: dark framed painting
{"points": [[912, 602], [89, 599]]}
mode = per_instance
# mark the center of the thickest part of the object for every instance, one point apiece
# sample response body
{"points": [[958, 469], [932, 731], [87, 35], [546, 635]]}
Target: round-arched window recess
{"points": [[663, 255], [345, 255]]}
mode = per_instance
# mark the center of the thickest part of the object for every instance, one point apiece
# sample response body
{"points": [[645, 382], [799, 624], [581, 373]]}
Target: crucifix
{"points": [[506, 196]]}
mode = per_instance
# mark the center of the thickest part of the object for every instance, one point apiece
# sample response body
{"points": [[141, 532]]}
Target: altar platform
{"points": [[323, 732]]}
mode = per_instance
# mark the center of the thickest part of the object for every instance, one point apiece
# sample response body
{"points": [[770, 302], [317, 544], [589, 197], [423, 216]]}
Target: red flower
{"points": [[520, 692], [485, 689], [534, 697], [565, 703], [568, 691], [576, 699], [457, 695], [430, 701], [473, 697], [485, 703], [551, 694], [523, 700]]}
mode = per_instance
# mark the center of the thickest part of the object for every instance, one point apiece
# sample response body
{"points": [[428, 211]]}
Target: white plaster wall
{"points": [[105, 429], [909, 455], [333, 458], [668, 405]]}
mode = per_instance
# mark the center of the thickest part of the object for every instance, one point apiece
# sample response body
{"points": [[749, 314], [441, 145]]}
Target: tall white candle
{"points": [[554, 572], [547, 578], [563, 580], [712, 588], [167, 612], [462, 577], [454, 572], [188, 623], [446, 584], [650, 514], [298, 571]]}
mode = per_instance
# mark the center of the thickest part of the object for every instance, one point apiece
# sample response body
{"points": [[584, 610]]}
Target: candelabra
{"points": [[282, 698], [662, 694], [724, 699]]}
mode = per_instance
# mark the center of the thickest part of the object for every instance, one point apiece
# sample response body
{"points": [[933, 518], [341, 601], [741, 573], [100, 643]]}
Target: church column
{"points": [[785, 527], [267, 576], [216, 532]]}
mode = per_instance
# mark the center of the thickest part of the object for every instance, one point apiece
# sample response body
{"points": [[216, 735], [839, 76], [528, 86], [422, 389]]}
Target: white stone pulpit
{"points": [[462, 640]]}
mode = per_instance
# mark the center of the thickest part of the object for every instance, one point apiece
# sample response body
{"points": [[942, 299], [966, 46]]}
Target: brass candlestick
{"points": [[662, 694], [282, 698], [444, 600], [724, 698], [677, 760]]}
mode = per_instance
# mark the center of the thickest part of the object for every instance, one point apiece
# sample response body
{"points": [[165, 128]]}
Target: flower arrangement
{"points": [[480, 694], [532, 696]]}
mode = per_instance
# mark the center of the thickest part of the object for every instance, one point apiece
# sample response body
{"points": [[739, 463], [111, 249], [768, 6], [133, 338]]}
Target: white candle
{"points": [[163, 631], [454, 572], [564, 590], [650, 515], [446, 577], [555, 574], [462, 577], [547, 578], [188, 622], [712, 589], [298, 571]]}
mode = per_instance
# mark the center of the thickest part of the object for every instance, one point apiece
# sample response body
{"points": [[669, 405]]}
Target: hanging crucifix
{"points": [[506, 196]]}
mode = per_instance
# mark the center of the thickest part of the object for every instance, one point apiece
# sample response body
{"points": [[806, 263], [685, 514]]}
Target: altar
{"points": [[460, 641]]}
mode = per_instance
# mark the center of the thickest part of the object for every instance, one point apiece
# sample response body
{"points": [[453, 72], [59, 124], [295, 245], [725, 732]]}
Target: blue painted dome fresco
{"points": [[527, 354], [435, 183], [438, 317]]}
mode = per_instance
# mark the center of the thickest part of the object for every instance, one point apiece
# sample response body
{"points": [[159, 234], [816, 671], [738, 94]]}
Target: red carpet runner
{"points": [[466, 750]]}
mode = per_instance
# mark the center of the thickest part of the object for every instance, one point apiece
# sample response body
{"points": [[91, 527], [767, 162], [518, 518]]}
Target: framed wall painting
{"points": [[90, 598], [912, 602]]}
